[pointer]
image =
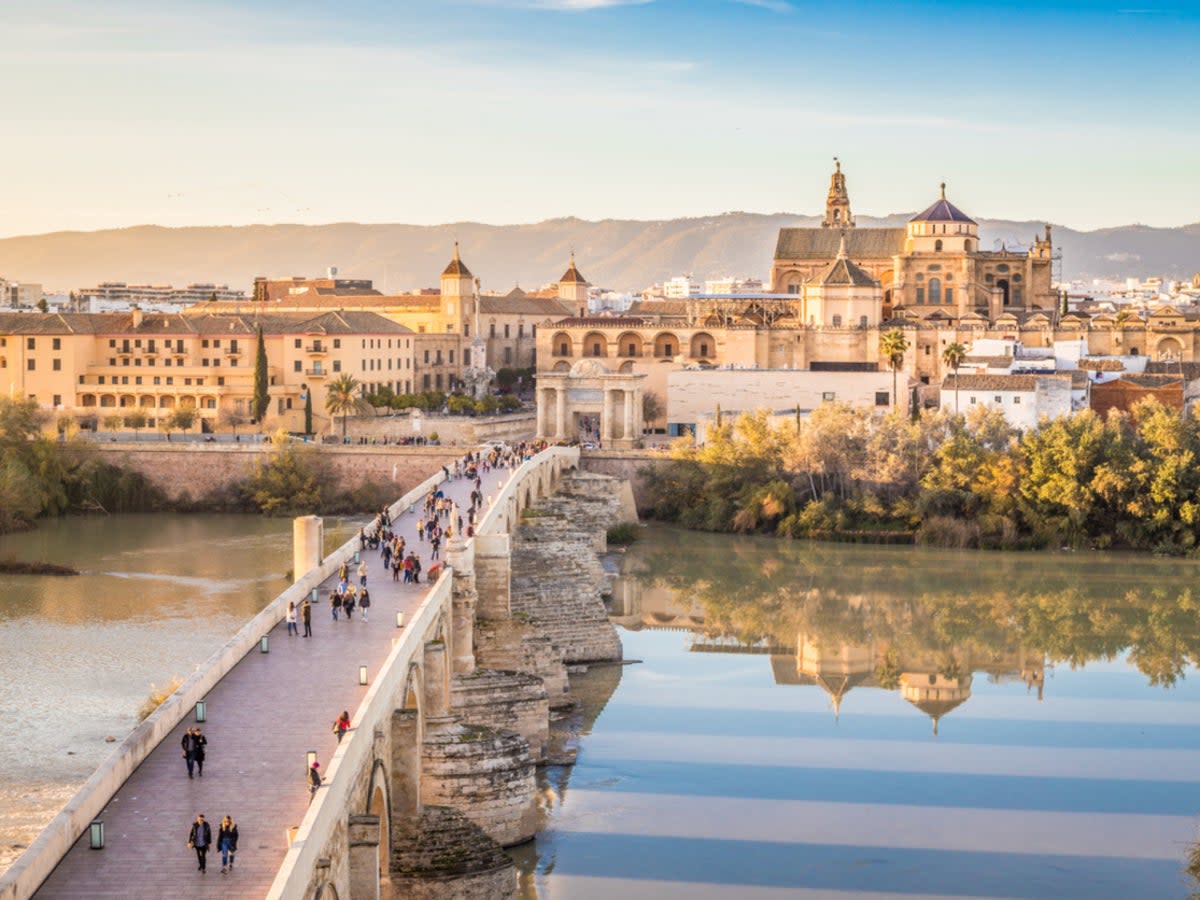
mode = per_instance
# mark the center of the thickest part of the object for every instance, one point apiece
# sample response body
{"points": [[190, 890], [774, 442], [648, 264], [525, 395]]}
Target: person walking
{"points": [[362, 573], [291, 619], [335, 604], [348, 603], [314, 779], [227, 838], [193, 744], [364, 602], [199, 839], [341, 725], [306, 617]]}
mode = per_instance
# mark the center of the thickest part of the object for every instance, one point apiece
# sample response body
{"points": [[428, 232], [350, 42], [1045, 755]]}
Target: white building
{"points": [[19, 294], [680, 287], [729, 285], [1024, 399], [108, 293]]}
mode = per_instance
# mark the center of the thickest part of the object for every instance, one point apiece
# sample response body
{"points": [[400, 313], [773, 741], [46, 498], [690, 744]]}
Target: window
{"points": [[595, 348], [937, 245], [883, 398], [492, 329], [125, 361], [1016, 401], [137, 379], [30, 343], [204, 343], [233, 346], [920, 295], [837, 323], [56, 344], [112, 342], [506, 329], [157, 380], [425, 380], [217, 343], [298, 342], [337, 343], [296, 366], [427, 357], [451, 357], [926, 349], [862, 321], [467, 356], [204, 362], [1016, 295], [337, 365], [100, 380], [220, 381], [170, 379], [56, 365], [998, 399], [949, 294], [57, 400], [972, 399], [520, 329], [1003, 267], [935, 291], [564, 349], [828, 396], [31, 365], [508, 356]]}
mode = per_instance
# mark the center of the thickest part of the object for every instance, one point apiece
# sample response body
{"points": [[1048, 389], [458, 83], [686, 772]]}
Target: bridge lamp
{"points": [[313, 596], [309, 758], [399, 620], [362, 674], [96, 834], [264, 644], [201, 710], [357, 556]]}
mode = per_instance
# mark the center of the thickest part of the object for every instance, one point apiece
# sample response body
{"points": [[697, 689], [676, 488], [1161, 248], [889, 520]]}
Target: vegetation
{"points": [[262, 399], [509, 378], [1125, 481], [623, 533], [157, 697], [435, 401], [287, 481], [40, 476], [652, 407], [892, 347], [308, 410], [953, 357], [343, 397]]}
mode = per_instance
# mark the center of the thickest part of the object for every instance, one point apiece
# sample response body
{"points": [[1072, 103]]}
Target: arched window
{"points": [[837, 321], [937, 245], [564, 349], [862, 321], [935, 290], [967, 245]]}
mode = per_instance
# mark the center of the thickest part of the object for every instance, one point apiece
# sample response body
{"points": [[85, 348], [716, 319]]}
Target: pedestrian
{"points": [[416, 569], [420, 529], [435, 543], [227, 838], [343, 572], [364, 602], [199, 839], [314, 779], [348, 604], [306, 617], [193, 744], [397, 565], [335, 604], [362, 573], [291, 619], [341, 725]]}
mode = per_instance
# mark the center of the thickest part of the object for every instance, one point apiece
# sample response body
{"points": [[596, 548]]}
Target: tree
{"points": [[230, 417], [113, 422], [183, 418], [652, 407], [137, 421], [953, 356], [342, 397], [258, 406], [892, 346], [308, 423], [43, 305]]}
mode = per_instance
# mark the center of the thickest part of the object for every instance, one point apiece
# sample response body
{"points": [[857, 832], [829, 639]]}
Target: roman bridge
{"points": [[449, 685]]}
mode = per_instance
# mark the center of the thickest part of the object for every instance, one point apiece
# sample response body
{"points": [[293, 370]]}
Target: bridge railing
{"points": [[33, 866], [496, 518]]}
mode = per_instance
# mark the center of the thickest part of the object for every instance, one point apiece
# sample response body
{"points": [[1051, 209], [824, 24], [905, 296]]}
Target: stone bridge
{"points": [[435, 776]]}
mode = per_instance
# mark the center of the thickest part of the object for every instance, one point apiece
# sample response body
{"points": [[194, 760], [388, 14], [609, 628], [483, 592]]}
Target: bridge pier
{"points": [[460, 556], [364, 857], [406, 765]]}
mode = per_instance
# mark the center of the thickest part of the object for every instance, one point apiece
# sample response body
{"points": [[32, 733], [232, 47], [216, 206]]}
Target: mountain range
{"points": [[613, 253]]}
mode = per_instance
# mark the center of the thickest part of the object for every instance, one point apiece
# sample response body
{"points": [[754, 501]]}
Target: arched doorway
{"points": [[1002, 286]]}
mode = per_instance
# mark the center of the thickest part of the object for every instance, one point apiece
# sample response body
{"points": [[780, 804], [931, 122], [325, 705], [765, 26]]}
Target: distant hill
{"points": [[620, 254]]}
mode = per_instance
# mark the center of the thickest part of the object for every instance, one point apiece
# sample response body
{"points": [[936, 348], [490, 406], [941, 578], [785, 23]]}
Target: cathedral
{"points": [[933, 264]]}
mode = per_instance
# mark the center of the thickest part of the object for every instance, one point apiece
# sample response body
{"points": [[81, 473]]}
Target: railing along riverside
{"points": [[33, 866]]}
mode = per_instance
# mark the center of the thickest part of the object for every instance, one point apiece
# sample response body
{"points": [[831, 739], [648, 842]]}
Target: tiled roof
{"points": [[1189, 370], [822, 243], [943, 211], [572, 276], [1146, 381], [992, 362], [659, 308], [340, 322], [996, 382], [1100, 364], [844, 272], [523, 305]]}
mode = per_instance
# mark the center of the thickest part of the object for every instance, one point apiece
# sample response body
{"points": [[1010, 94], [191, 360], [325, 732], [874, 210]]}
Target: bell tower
{"points": [[837, 204]]}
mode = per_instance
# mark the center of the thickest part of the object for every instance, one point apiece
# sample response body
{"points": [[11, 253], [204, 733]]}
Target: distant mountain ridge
{"points": [[614, 253]]}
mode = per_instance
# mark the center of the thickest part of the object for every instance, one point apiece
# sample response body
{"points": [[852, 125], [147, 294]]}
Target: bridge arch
{"points": [[379, 803], [326, 891]]}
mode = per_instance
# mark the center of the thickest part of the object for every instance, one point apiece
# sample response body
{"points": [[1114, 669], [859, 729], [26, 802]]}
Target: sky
{"points": [[1085, 114]]}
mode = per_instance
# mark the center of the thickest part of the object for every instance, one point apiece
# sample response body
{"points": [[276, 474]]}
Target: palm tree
{"points": [[342, 397], [953, 356], [892, 346]]}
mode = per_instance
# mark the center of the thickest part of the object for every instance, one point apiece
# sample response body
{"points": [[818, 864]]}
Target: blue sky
{"points": [[1084, 114]]}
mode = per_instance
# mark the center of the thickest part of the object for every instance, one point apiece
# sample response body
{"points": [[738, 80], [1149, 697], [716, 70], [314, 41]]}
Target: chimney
{"points": [[137, 316]]}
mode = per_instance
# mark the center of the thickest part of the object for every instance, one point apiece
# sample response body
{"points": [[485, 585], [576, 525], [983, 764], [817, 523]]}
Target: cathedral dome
{"points": [[943, 211]]}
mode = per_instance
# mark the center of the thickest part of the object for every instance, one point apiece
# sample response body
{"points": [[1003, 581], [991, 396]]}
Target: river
{"points": [[822, 721], [158, 594], [806, 720]]}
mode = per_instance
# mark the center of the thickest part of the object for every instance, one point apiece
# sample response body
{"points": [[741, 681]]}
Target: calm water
{"points": [[158, 595], [778, 739]]}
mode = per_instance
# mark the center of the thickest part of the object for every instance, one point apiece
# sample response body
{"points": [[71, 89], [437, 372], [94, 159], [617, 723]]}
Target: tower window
{"points": [[935, 290], [937, 245]]}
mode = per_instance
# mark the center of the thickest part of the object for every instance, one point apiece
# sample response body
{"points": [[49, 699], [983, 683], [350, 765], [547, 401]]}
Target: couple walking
{"points": [[200, 839]]}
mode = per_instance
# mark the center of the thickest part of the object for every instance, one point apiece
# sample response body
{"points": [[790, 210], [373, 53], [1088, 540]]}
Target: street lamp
{"points": [[264, 644], [309, 758], [201, 711], [362, 674], [96, 834], [399, 620]]}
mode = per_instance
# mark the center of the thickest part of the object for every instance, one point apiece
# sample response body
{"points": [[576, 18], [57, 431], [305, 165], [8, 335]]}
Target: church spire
{"points": [[837, 204]]}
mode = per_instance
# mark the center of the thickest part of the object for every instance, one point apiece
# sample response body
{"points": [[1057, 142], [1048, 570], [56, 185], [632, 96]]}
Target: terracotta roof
{"points": [[1190, 370], [631, 321], [523, 305], [457, 267], [992, 362], [844, 272], [1145, 381], [1079, 379], [659, 308], [996, 382], [572, 276], [152, 324], [1100, 364], [822, 243]]}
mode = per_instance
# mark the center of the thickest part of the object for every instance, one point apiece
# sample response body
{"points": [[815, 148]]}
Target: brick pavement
{"points": [[262, 718]]}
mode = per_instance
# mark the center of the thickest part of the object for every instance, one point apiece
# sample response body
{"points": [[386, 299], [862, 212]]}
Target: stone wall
{"points": [[456, 431], [200, 469], [557, 579], [625, 465]]}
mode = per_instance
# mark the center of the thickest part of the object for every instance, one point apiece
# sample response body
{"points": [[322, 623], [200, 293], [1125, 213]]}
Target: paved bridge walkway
{"points": [[262, 718]]}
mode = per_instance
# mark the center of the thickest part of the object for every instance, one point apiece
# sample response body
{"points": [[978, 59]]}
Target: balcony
{"points": [[316, 373], [318, 349]]}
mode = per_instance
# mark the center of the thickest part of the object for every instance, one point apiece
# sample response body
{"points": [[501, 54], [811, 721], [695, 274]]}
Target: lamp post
{"points": [[264, 644], [201, 710], [362, 674], [309, 758], [399, 620], [96, 834]]}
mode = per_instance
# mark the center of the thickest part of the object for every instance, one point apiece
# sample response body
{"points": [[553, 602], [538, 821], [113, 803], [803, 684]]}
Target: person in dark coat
{"points": [[314, 779], [227, 838], [199, 839], [306, 617], [193, 744]]}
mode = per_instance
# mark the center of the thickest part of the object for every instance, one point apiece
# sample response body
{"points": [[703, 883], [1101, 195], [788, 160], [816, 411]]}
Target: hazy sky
{"points": [[1080, 113]]}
